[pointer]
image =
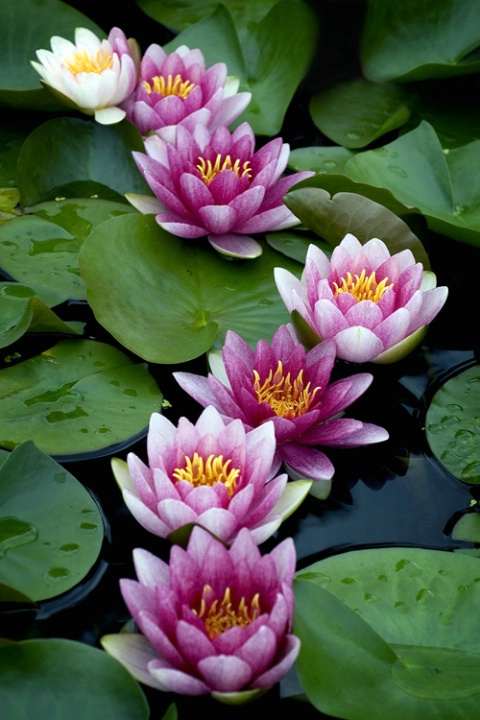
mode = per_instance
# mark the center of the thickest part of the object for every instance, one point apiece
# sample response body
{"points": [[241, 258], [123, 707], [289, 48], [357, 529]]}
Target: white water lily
{"points": [[96, 75]]}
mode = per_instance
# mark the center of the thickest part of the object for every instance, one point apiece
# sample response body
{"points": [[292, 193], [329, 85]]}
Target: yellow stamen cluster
{"points": [[198, 471], [224, 615], [84, 61], [208, 170], [171, 86], [362, 287], [286, 398]]}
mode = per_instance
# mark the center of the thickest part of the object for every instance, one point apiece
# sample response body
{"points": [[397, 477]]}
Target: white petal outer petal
{"points": [[150, 569], [225, 673], [134, 652], [358, 344], [109, 115], [234, 245], [278, 671], [177, 681]]}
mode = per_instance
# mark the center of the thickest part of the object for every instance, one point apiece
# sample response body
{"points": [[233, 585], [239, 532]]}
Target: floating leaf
{"points": [[319, 159], [51, 530], [270, 58], [69, 157], [80, 396], [354, 114], [394, 43], [58, 678], [467, 528], [21, 311], [400, 623], [42, 248], [333, 217], [453, 425], [166, 299]]}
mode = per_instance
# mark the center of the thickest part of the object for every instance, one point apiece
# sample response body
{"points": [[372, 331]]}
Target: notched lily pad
{"points": [[453, 425], [169, 300], [51, 530], [22, 311], [400, 623], [80, 396]]}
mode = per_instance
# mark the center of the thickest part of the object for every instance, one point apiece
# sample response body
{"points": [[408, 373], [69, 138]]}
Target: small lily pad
{"points": [[400, 623], [51, 530], [80, 396], [453, 425], [66, 679]]}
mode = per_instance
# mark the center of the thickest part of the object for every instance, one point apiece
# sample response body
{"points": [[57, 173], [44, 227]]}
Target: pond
{"points": [[103, 311]]}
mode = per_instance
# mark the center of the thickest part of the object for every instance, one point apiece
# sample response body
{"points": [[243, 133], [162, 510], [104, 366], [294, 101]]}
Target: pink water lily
{"points": [[216, 185], [375, 306], [96, 75], [212, 621], [284, 384], [213, 474], [177, 89]]}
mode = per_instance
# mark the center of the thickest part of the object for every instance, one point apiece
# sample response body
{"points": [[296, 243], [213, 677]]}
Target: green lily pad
{"points": [[169, 300], [333, 217], [453, 425], [59, 678], [42, 248], [400, 623], [467, 528], [270, 55], [22, 311], [27, 26], [51, 530], [80, 396], [69, 157], [394, 45], [320, 159], [442, 184], [355, 113], [294, 245]]}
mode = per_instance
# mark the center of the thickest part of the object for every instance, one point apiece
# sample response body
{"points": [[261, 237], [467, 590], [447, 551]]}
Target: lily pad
{"points": [[400, 623], [66, 679], [22, 311], [169, 300], [270, 57], [80, 396], [453, 425], [333, 217], [320, 159], [394, 46], [51, 530], [42, 248], [69, 157], [442, 185], [354, 114]]}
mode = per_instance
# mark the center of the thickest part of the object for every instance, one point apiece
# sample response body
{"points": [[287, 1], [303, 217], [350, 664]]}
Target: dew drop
{"points": [[397, 171], [88, 527], [57, 573], [68, 548], [14, 533]]}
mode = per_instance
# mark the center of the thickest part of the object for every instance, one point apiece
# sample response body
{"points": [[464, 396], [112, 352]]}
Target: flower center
{"points": [[198, 471], [84, 61], [362, 287], [226, 614], [171, 86], [286, 398], [208, 170]]}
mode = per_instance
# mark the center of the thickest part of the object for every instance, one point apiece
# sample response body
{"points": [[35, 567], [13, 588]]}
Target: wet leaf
{"points": [[80, 396], [453, 425], [51, 530]]}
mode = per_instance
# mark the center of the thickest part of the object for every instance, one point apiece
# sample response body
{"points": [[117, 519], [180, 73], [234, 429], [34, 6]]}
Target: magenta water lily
{"points": [[213, 474], [283, 384], [216, 185], [375, 306], [177, 89], [96, 75], [212, 621]]}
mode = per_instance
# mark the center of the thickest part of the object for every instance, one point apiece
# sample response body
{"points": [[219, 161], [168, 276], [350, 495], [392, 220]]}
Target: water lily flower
{"points": [[284, 384], [215, 184], [212, 621], [176, 89], [213, 473], [375, 306], [95, 75]]}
